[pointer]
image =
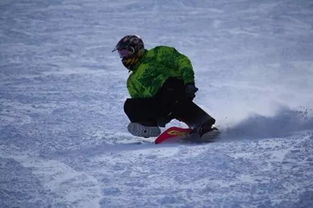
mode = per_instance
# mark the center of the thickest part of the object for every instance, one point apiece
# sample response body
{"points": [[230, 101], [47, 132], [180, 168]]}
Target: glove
{"points": [[190, 90]]}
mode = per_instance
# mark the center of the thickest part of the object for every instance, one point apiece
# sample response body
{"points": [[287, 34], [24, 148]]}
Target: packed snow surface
{"points": [[63, 136]]}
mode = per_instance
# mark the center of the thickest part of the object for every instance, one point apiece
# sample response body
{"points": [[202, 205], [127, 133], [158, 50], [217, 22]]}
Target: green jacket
{"points": [[154, 68]]}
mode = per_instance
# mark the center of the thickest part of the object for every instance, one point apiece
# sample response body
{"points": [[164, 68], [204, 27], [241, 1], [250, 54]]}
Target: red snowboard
{"points": [[172, 133]]}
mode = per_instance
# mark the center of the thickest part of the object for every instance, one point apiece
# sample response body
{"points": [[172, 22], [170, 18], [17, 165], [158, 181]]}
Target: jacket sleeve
{"points": [[185, 68], [136, 89]]}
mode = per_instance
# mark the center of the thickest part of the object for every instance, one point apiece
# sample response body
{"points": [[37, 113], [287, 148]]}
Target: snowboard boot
{"points": [[210, 134], [140, 130], [206, 131]]}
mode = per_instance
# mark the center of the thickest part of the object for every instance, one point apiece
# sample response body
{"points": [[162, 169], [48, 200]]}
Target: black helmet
{"points": [[129, 46]]}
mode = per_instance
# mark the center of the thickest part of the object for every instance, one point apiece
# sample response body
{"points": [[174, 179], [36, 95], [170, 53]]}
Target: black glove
{"points": [[190, 90]]}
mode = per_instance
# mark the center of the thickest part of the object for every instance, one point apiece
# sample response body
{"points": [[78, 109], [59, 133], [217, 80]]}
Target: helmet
{"points": [[129, 46]]}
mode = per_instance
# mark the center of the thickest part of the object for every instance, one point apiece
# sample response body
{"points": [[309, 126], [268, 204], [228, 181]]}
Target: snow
{"points": [[63, 136]]}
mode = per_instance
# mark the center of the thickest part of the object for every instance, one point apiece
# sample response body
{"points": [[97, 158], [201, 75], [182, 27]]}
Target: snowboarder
{"points": [[162, 87]]}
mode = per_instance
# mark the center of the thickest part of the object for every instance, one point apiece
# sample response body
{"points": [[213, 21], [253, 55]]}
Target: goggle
{"points": [[124, 53]]}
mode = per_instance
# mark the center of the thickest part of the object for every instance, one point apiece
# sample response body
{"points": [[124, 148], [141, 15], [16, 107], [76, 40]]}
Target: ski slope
{"points": [[63, 136]]}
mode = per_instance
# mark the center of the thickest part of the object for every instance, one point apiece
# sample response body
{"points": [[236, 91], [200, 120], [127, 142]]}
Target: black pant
{"points": [[169, 103]]}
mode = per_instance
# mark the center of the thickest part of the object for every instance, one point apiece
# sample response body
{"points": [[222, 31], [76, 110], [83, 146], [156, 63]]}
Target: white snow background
{"points": [[63, 136]]}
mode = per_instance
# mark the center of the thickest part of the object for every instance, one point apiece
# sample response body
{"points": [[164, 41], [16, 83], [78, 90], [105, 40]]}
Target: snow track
{"points": [[69, 188]]}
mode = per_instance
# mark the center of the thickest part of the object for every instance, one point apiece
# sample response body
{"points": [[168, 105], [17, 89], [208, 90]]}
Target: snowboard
{"points": [[173, 134]]}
